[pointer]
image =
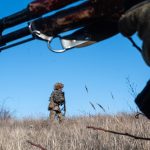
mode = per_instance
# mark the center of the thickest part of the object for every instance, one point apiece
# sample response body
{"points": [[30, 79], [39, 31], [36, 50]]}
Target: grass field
{"points": [[72, 134]]}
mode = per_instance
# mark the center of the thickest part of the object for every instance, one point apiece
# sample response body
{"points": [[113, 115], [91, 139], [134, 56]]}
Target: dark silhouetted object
{"points": [[143, 100]]}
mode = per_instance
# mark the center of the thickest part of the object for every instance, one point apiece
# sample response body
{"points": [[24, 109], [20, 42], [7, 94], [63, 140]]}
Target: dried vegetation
{"points": [[72, 134]]}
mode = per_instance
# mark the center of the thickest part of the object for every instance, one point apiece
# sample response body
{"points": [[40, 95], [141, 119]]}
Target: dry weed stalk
{"points": [[132, 88], [36, 145], [101, 107], [86, 89], [92, 105], [118, 133]]}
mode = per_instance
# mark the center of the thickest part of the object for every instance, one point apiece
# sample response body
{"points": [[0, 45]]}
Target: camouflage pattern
{"points": [[57, 98], [137, 19], [54, 113], [65, 20], [44, 6]]}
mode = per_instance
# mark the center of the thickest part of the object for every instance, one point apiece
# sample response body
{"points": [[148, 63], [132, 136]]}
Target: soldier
{"points": [[57, 98], [137, 19]]}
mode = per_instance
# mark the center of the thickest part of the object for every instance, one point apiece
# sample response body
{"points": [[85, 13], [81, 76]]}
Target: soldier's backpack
{"points": [[143, 100], [58, 97]]}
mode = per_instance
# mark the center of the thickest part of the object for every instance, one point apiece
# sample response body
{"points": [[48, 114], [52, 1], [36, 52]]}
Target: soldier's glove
{"points": [[137, 19]]}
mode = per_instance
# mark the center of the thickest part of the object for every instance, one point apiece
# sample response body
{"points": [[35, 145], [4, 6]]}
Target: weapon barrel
{"points": [[34, 10], [14, 35]]}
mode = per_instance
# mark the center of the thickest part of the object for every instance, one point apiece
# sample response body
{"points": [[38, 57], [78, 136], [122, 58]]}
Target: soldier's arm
{"points": [[134, 19], [51, 102], [128, 22], [137, 19], [51, 98]]}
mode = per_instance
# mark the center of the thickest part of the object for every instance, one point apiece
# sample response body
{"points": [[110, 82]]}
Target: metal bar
{"points": [[14, 35], [17, 43]]}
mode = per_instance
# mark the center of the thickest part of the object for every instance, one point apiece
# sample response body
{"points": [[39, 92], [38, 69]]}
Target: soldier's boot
{"points": [[143, 100]]}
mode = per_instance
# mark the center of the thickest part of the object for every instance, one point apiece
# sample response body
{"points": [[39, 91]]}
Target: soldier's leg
{"points": [[146, 49], [60, 117], [143, 100], [52, 115]]}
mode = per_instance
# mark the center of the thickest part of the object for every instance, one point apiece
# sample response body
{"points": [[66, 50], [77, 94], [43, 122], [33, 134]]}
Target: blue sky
{"points": [[29, 71]]}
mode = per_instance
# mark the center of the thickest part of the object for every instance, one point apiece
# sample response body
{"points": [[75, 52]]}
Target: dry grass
{"points": [[72, 134]]}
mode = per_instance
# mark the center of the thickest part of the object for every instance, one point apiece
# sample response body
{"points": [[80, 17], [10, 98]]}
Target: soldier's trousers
{"points": [[57, 114], [143, 100]]}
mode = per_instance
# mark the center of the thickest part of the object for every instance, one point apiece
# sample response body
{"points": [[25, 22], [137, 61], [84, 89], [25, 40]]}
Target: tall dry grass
{"points": [[72, 134]]}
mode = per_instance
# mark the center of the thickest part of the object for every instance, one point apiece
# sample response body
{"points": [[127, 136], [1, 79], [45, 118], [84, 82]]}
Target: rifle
{"points": [[94, 21], [64, 105]]}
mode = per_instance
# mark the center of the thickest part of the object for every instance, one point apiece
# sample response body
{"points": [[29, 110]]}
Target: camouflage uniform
{"points": [[137, 19], [143, 100], [57, 98]]}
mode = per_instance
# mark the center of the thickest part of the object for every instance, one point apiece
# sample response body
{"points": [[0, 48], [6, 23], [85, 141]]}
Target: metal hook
{"points": [[38, 34], [56, 50], [44, 37]]}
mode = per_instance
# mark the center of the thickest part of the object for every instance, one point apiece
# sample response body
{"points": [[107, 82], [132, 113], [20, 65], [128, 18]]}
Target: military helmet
{"points": [[58, 86]]}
